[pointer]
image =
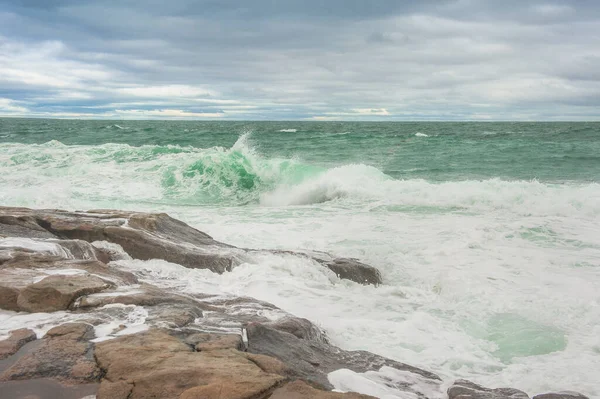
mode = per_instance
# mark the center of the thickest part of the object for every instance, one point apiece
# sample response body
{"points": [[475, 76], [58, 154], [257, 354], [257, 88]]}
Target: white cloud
{"points": [[8, 107], [167, 91], [167, 113]]}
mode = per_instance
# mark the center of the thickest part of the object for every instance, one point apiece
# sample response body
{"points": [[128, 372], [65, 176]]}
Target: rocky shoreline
{"points": [[91, 329]]}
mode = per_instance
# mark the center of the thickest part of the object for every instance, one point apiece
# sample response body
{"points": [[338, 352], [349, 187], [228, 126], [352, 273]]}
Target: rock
{"points": [[142, 235], [12, 282], [17, 339], [142, 295], [42, 262], [63, 354], [58, 292], [561, 395], [174, 315], [463, 389], [207, 342], [151, 236], [351, 269], [300, 328], [155, 364], [301, 390], [312, 359]]}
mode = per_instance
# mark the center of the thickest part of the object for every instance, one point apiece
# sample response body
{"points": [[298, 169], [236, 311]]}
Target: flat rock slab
{"points": [[156, 364], [64, 354]]}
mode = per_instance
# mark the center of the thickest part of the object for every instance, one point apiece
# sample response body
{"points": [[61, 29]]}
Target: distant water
{"points": [[487, 234]]}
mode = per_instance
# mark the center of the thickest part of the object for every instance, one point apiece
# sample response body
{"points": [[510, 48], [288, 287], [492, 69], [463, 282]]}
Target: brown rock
{"points": [[8, 298], [209, 342], [40, 261], [114, 390], [301, 390], [159, 365], [58, 292], [17, 339], [63, 354]]}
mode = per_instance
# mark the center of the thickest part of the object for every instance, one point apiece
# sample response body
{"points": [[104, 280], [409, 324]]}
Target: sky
{"points": [[301, 59]]}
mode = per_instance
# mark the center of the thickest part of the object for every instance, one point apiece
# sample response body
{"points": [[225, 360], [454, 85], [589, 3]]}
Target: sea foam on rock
{"points": [[108, 334], [148, 236]]}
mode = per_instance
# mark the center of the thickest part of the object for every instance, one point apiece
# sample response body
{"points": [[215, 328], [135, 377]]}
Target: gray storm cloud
{"points": [[380, 60]]}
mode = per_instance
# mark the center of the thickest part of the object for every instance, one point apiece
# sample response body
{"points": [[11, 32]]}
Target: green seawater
{"points": [[487, 234], [434, 151]]}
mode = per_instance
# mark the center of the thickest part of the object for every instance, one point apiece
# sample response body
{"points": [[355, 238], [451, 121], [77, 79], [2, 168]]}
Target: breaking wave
{"points": [[175, 175]]}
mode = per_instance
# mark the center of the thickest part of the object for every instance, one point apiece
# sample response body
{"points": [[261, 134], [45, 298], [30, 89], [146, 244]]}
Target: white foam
{"points": [[419, 134], [387, 383], [35, 245], [288, 130]]}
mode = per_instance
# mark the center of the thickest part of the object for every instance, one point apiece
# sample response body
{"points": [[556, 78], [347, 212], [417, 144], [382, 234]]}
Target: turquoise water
{"points": [[553, 152], [487, 234]]}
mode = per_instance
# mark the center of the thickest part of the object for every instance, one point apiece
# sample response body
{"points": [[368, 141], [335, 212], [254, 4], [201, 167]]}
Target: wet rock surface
{"points": [[561, 395], [312, 358], [64, 354], [146, 236], [17, 339], [463, 389], [107, 332]]}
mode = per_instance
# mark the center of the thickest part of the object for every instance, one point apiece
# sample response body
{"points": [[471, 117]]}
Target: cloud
{"points": [[8, 107], [345, 59]]}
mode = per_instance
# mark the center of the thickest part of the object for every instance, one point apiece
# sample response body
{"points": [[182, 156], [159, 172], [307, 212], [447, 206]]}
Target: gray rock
{"points": [[463, 389], [561, 395], [150, 236], [351, 269], [311, 358]]}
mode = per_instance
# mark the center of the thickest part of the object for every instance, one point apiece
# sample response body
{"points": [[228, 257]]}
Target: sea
{"points": [[487, 234]]}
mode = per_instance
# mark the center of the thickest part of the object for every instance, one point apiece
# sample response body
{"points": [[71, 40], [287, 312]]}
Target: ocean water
{"points": [[487, 234]]}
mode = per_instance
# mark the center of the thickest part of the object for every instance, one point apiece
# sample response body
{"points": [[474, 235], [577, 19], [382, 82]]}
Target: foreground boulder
{"points": [[155, 364]]}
